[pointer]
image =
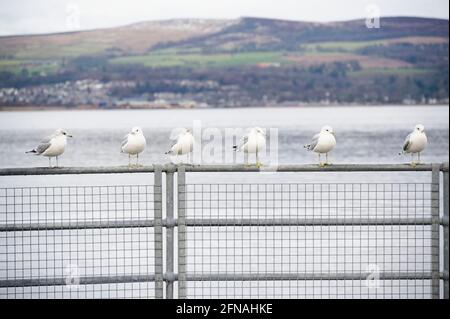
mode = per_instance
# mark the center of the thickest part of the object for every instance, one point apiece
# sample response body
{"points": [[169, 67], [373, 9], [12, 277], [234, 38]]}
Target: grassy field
{"points": [[202, 60], [352, 46], [48, 58], [385, 71], [16, 66]]}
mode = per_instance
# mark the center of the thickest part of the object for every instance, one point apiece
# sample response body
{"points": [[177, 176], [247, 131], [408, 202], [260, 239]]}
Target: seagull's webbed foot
{"points": [[322, 164], [413, 164], [259, 164]]}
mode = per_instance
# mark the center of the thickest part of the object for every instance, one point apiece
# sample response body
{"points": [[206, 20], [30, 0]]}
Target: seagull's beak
{"points": [[68, 135], [334, 134]]}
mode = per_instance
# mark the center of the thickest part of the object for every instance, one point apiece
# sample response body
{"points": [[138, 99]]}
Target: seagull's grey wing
{"points": [[407, 143], [170, 148], [42, 148], [314, 142], [244, 140], [125, 141], [44, 144]]}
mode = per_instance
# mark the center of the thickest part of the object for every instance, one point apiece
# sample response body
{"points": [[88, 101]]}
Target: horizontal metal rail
{"points": [[311, 222], [219, 277], [317, 168], [74, 170], [222, 223], [310, 276], [78, 225], [94, 280], [171, 168]]}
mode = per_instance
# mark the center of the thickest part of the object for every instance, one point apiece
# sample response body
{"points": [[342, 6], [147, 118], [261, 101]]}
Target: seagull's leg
{"points": [[258, 164], [246, 159], [137, 159], [326, 159], [413, 163], [57, 161], [129, 160], [418, 157], [49, 162], [320, 162]]}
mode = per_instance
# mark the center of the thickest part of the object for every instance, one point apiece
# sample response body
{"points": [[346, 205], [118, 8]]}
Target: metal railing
{"points": [[179, 239]]}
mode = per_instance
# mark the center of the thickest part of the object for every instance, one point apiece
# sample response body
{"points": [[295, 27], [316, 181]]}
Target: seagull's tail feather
{"points": [[235, 148], [32, 151], [307, 146]]}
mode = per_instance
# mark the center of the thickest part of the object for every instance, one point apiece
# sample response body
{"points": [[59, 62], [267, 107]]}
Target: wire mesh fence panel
{"points": [[77, 242], [309, 240], [232, 240]]}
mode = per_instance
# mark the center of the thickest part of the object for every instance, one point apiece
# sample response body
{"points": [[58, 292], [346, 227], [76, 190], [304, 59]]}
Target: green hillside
{"points": [[263, 59]]}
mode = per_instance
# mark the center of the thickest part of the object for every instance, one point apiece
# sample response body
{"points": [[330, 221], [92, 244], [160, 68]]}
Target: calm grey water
{"points": [[364, 134]]}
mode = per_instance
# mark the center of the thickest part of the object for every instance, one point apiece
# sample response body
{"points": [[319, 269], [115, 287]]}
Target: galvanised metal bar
{"points": [[75, 170], [223, 168], [222, 223], [50, 226], [82, 281], [181, 186], [316, 168], [169, 275], [446, 218], [310, 276], [158, 234], [435, 245], [220, 277], [310, 222]]}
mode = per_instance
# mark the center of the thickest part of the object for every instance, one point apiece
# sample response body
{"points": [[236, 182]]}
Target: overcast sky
{"points": [[44, 16]]}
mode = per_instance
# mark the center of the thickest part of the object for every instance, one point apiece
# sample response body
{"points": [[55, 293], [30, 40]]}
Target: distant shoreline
{"points": [[89, 108]]}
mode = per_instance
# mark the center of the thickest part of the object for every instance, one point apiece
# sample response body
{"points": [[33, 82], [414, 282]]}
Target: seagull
{"points": [[133, 144], [323, 142], [253, 142], [52, 146], [184, 143], [415, 143]]}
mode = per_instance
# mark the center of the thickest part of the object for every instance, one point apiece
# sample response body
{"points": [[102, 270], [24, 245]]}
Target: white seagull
{"points": [[184, 144], [415, 143], [133, 144], [52, 146], [253, 142], [323, 143]]}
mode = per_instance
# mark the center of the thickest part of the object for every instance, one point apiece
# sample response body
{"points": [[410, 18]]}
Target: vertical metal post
{"points": [[435, 247], [159, 280], [446, 199], [181, 178], [170, 276]]}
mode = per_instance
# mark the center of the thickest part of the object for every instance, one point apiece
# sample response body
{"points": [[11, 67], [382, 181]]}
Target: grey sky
{"points": [[43, 16]]}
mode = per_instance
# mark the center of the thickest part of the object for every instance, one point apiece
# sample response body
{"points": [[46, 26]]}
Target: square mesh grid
{"points": [[77, 251], [314, 242]]}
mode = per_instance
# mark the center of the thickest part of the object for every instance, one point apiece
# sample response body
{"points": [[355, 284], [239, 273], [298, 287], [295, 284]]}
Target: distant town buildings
{"points": [[198, 94]]}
